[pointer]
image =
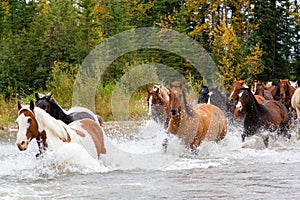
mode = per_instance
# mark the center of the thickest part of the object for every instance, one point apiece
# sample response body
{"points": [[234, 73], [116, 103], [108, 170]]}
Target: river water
{"points": [[136, 167]]}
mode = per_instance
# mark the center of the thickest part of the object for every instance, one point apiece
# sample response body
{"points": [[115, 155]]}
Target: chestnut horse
{"points": [[158, 105], [194, 124], [270, 115], [295, 102], [284, 93], [259, 89], [34, 122]]}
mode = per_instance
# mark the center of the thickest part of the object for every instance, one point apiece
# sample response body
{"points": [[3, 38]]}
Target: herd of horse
{"points": [[255, 108]]}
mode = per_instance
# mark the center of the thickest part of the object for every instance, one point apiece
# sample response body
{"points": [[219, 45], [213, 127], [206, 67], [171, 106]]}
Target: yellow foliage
{"points": [[5, 7]]}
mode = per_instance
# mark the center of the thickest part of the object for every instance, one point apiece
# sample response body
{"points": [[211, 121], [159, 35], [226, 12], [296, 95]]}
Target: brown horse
{"points": [[295, 102], [158, 107], [194, 124], [236, 88], [34, 122], [259, 89], [285, 91], [270, 115]]}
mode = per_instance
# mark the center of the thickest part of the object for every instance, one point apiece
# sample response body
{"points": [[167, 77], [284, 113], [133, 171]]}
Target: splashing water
{"points": [[141, 151]]}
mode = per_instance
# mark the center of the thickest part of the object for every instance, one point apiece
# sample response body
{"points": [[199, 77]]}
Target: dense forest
{"points": [[247, 39]]}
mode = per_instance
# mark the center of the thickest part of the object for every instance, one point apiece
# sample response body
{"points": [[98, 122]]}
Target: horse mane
{"points": [[257, 105], [47, 122], [187, 107], [59, 112]]}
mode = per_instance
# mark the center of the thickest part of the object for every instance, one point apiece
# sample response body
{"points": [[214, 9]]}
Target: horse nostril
{"points": [[174, 111]]}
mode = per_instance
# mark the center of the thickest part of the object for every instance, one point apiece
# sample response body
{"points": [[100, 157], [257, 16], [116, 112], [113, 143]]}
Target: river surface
{"points": [[136, 167]]}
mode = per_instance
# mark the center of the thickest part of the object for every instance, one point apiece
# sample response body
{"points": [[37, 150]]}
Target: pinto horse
{"points": [[194, 124], [270, 115], [47, 103], [34, 122], [158, 105], [295, 102]]}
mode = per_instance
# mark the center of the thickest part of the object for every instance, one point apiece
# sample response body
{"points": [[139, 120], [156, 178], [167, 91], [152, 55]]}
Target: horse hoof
{"points": [[243, 137]]}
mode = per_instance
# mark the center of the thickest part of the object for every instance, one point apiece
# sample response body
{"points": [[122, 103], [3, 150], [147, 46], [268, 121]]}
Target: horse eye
{"points": [[29, 120]]}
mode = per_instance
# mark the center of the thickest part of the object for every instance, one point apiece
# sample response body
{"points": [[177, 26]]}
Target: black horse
{"points": [[212, 96], [47, 103]]}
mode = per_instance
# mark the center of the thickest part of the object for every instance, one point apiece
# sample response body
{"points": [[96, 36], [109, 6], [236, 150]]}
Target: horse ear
{"points": [[31, 106], [19, 105], [37, 96], [48, 96]]}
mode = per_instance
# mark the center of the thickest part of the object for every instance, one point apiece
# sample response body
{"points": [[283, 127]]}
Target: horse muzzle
{"points": [[22, 145], [174, 111]]}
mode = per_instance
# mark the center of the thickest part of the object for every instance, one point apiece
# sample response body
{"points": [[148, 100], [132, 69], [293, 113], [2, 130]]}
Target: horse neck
{"points": [[53, 128], [254, 108], [187, 107], [58, 113]]}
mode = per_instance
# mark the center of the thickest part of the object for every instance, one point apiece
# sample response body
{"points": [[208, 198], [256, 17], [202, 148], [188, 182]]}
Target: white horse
{"points": [[34, 122]]}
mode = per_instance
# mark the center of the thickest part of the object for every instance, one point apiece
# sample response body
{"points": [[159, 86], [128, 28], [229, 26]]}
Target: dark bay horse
{"points": [[236, 88], [34, 122], [194, 124], [270, 115], [47, 103]]}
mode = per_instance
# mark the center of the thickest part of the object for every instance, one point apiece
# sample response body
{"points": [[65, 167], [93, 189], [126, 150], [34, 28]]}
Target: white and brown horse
{"points": [[194, 124], [34, 122]]}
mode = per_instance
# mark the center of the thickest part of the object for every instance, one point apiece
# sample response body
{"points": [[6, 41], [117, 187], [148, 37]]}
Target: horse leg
{"points": [[266, 141], [165, 142], [284, 130]]}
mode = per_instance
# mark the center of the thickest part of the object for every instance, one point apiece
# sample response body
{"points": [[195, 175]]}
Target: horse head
{"points": [[283, 88], [27, 126], [43, 101], [203, 94], [294, 84], [236, 89], [178, 99], [245, 99]]}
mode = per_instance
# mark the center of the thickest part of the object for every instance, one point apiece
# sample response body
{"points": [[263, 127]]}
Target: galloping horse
{"points": [[193, 125], [295, 102], [284, 93], [34, 122], [270, 115], [158, 105], [47, 103], [236, 88]]}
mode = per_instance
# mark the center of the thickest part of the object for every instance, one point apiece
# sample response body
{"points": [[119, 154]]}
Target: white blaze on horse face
{"points": [[239, 104], [150, 106], [230, 97], [23, 125]]}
